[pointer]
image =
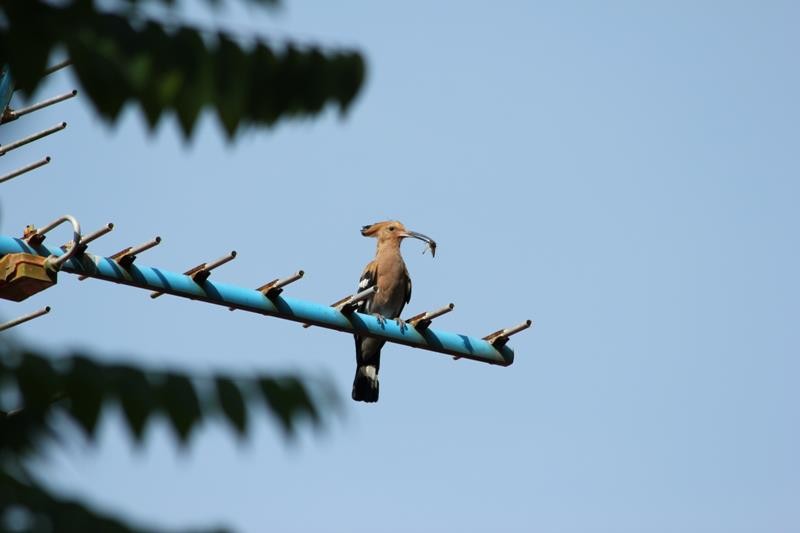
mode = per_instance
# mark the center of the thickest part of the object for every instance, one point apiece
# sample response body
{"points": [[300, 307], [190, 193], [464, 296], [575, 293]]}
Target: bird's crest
{"points": [[372, 230]]}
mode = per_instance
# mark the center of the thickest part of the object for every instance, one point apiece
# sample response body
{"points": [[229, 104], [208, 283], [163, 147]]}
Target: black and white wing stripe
{"points": [[368, 279]]}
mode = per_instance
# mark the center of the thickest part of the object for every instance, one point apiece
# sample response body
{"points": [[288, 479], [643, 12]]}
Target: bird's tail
{"points": [[365, 384]]}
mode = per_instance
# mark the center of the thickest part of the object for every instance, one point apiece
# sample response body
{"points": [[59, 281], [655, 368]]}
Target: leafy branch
{"points": [[80, 387], [119, 60]]}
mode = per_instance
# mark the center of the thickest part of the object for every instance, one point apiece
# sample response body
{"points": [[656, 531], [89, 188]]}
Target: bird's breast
{"points": [[392, 287]]}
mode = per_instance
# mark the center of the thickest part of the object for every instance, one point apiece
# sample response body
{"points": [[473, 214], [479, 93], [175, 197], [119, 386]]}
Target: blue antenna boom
{"points": [[253, 300]]}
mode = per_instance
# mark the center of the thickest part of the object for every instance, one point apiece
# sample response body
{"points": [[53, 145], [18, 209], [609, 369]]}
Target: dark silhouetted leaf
{"points": [[288, 400], [179, 401], [232, 404], [198, 84], [37, 382], [83, 386], [136, 396], [232, 74]]}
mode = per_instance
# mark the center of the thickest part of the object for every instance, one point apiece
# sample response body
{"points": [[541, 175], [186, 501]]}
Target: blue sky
{"points": [[623, 173]]}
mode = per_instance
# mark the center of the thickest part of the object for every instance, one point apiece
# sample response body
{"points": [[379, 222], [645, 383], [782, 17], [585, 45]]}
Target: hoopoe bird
{"points": [[388, 272]]}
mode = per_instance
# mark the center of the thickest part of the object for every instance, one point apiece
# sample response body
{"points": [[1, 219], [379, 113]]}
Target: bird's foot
{"points": [[401, 323], [381, 319]]}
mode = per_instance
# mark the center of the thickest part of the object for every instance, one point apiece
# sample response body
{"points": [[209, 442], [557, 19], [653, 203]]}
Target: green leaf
{"points": [[136, 397], [198, 85], [264, 105], [232, 68], [37, 382], [288, 400], [84, 387], [232, 404], [178, 399]]}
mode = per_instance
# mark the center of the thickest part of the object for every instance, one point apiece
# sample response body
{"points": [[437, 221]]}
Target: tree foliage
{"points": [[80, 389], [124, 57]]}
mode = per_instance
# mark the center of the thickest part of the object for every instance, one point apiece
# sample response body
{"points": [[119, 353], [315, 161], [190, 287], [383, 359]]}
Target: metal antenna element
{"points": [[14, 114], [500, 337], [423, 320], [17, 321], [23, 170], [36, 136], [201, 272], [127, 256], [349, 303], [275, 287], [86, 239]]}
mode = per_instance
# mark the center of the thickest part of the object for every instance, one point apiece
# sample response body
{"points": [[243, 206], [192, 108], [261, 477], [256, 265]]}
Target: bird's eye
{"points": [[391, 228]]}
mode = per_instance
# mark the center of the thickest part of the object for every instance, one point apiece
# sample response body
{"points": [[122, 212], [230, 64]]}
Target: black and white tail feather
{"points": [[368, 350]]}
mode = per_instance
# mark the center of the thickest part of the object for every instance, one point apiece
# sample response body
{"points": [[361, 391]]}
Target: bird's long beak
{"points": [[430, 242]]}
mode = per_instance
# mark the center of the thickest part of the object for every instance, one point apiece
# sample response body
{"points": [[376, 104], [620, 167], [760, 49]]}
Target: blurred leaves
{"points": [[27, 507], [288, 400], [230, 399], [180, 70], [120, 59], [81, 388]]}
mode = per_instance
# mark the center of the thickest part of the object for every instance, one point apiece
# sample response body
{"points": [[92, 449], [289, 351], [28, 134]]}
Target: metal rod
{"points": [[127, 256], [57, 67], [226, 295], [275, 287], [16, 113], [219, 262], [85, 240], [57, 222], [423, 320], [36, 136], [23, 170], [349, 303], [143, 247], [23, 319], [502, 335], [201, 272]]}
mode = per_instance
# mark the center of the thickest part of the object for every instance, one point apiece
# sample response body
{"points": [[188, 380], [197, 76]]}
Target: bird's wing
{"points": [[368, 279], [408, 284]]}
